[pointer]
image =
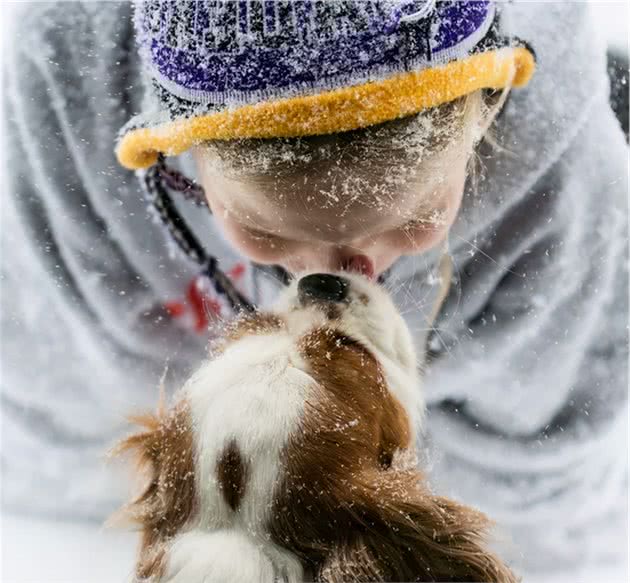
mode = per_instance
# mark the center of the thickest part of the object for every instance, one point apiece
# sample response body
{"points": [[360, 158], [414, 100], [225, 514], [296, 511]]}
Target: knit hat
{"points": [[225, 69]]}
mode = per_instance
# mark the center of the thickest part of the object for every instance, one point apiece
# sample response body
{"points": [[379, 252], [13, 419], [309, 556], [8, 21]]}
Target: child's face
{"points": [[340, 218]]}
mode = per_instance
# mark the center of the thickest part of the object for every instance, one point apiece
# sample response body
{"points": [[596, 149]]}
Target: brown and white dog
{"points": [[291, 454]]}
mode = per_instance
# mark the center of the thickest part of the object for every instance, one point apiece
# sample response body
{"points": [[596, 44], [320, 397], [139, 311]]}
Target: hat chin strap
{"points": [[175, 180], [158, 197], [156, 182]]}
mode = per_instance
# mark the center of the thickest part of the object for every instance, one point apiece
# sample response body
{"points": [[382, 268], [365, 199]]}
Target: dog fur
{"points": [[291, 453]]}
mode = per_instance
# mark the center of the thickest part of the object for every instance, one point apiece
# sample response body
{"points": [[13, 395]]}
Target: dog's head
{"points": [[300, 433], [363, 310], [355, 312]]}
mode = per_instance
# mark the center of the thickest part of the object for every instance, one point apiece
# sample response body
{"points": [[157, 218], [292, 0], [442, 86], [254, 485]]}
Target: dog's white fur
{"points": [[228, 556], [255, 393]]}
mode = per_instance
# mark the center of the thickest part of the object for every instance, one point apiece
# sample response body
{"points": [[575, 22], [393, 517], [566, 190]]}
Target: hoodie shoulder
{"points": [[38, 28]]}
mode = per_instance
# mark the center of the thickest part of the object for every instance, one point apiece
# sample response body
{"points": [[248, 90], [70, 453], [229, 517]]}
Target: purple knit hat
{"points": [[223, 69]]}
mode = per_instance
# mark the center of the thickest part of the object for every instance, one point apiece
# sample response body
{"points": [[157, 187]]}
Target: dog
{"points": [[290, 455]]}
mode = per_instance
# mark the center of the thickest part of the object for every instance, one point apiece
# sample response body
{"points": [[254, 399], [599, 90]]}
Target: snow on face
{"points": [[315, 203]]}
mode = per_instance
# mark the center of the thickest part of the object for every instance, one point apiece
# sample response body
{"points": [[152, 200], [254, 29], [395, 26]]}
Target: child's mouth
{"points": [[360, 264]]}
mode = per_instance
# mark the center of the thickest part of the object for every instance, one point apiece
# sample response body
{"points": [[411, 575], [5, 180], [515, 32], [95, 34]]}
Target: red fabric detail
{"points": [[175, 309], [199, 303], [237, 271], [196, 301]]}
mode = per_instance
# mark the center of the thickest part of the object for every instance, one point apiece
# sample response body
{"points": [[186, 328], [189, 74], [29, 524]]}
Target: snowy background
{"points": [[34, 550]]}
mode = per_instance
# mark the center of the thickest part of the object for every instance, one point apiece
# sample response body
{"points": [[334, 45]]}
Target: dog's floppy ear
{"points": [[163, 451], [354, 561], [404, 533]]}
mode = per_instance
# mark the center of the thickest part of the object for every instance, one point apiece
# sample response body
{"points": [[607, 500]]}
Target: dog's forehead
{"points": [[310, 328]]}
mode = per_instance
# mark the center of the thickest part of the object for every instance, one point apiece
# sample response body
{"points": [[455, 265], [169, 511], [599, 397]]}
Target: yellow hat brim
{"points": [[339, 110]]}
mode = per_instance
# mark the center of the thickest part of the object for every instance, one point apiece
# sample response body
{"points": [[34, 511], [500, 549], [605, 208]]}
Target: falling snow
{"points": [[527, 385]]}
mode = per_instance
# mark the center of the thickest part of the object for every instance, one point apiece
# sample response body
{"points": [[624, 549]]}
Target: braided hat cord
{"points": [[155, 180]]}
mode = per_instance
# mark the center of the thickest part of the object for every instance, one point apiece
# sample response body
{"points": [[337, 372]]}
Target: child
{"points": [[325, 152]]}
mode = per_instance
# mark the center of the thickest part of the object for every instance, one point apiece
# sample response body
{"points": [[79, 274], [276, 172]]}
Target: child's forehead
{"points": [[344, 186]]}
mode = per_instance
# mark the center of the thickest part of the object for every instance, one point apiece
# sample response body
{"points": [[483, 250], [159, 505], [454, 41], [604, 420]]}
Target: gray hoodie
{"points": [[527, 382]]}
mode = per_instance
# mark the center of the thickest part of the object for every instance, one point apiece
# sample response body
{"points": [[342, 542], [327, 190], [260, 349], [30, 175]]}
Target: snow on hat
{"points": [[226, 69]]}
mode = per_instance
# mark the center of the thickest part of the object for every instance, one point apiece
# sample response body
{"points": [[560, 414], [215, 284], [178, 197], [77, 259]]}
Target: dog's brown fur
{"points": [[353, 515], [232, 476], [345, 505], [164, 452], [250, 325]]}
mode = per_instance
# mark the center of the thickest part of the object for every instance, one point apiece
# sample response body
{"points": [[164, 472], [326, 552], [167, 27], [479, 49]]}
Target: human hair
{"points": [[397, 150]]}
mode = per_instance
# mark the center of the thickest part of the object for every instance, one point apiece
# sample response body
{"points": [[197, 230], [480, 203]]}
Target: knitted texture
{"points": [[224, 70], [239, 52], [333, 111]]}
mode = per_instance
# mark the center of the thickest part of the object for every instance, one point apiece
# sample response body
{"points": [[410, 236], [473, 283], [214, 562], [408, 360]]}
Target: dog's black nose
{"points": [[322, 287]]}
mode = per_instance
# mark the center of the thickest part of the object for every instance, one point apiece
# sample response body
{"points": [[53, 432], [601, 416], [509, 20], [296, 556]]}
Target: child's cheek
{"points": [[424, 236], [418, 240]]}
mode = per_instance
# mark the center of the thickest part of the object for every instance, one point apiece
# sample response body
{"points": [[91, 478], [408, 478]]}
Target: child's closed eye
{"points": [[260, 235], [433, 219]]}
